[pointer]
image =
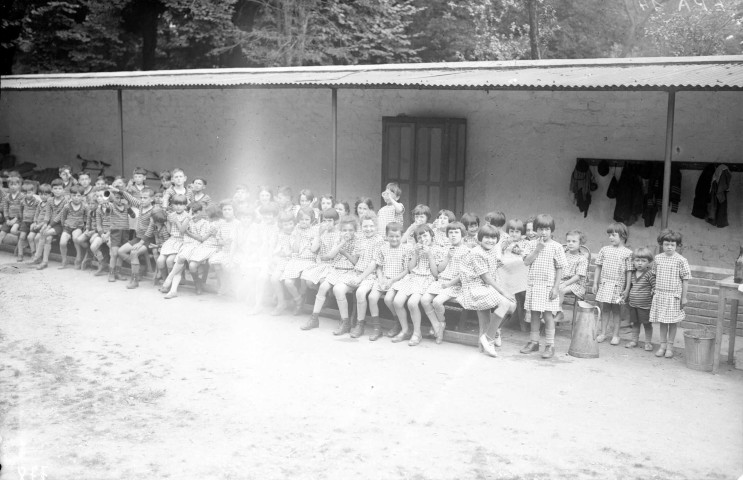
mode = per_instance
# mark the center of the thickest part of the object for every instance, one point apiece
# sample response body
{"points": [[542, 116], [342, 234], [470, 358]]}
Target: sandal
{"points": [[631, 344], [414, 340], [648, 347], [614, 341], [440, 333], [669, 352], [601, 338]]}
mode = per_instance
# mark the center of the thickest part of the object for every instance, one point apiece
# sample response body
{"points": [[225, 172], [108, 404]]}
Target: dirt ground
{"points": [[98, 382]]}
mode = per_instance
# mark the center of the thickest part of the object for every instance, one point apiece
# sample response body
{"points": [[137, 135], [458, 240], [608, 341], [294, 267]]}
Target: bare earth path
{"points": [[98, 382]]}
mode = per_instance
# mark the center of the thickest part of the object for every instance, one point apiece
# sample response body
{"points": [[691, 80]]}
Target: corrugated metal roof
{"points": [[694, 73]]}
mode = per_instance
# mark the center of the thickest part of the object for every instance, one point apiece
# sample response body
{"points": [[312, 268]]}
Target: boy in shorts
{"points": [[28, 208], [120, 214], [12, 208], [73, 218], [138, 245], [54, 214]]}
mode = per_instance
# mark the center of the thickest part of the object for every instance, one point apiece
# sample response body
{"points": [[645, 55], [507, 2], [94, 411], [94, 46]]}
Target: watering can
{"points": [[583, 342]]}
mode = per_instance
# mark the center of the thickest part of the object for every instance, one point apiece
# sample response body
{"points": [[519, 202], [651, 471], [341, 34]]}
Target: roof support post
{"points": [[667, 160], [334, 169], [121, 128]]}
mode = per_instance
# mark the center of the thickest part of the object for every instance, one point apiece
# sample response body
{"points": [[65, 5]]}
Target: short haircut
{"points": [[421, 209], [456, 226], [394, 188], [393, 227], [214, 211], [530, 219], [179, 199], [620, 228], [329, 213], [29, 185], [226, 203], [147, 190], [577, 233], [421, 229], [643, 252], [286, 217], [83, 173], [177, 170], [307, 194], [76, 189], [65, 167], [366, 200], [270, 208], [57, 182], [102, 178], [449, 214], [165, 175], [328, 196], [308, 212], [496, 219], [370, 215], [15, 179], [349, 220], [516, 224], [488, 230], [45, 188], [544, 220], [285, 190], [139, 171], [669, 235], [196, 207], [159, 215], [346, 207], [199, 178], [470, 219]]}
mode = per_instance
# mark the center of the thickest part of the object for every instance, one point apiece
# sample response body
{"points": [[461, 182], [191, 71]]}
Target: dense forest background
{"points": [[93, 35]]}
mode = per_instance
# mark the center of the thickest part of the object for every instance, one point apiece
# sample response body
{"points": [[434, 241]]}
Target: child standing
{"points": [[574, 276], [393, 210], [421, 216], [424, 270], [546, 262], [120, 214], [642, 284], [440, 237], [326, 238], [672, 275], [391, 262], [611, 279], [197, 188]]}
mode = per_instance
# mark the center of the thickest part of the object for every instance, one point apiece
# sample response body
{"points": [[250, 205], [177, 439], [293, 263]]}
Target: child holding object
{"points": [[672, 275], [574, 277], [546, 261], [611, 279], [642, 284]]}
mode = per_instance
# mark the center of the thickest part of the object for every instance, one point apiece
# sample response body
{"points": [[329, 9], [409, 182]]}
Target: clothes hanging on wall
{"points": [[630, 196], [653, 197], [717, 211], [581, 186], [702, 191], [675, 194]]}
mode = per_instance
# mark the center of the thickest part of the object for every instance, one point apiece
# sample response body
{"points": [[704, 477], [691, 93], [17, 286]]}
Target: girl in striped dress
{"points": [[611, 280], [481, 290], [447, 286], [178, 221], [546, 261], [368, 242], [423, 268], [574, 277], [302, 256], [672, 275], [340, 256]]}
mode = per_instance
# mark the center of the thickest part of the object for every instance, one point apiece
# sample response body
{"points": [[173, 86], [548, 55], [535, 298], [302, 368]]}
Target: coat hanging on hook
{"points": [[611, 192]]}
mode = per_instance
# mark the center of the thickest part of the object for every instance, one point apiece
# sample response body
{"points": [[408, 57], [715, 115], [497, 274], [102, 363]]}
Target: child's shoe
{"points": [[669, 352], [344, 326], [358, 330], [549, 351], [488, 346], [394, 331], [402, 336], [133, 282], [631, 344], [614, 341], [42, 266], [497, 340], [530, 347], [117, 273], [648, 347], [63, 266], [36, 260], [78, 265], [661, 350], [298, 304], [376, 332], [312, 322], [600, 338], [101, 271], [112, 275]]}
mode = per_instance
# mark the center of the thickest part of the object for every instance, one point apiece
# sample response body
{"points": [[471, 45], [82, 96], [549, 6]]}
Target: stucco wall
{"points": [[522, 146]]}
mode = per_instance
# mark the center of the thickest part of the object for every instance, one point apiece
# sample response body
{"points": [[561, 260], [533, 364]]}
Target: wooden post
{"points": [[667, 160], [334, 170], [121, 128]]}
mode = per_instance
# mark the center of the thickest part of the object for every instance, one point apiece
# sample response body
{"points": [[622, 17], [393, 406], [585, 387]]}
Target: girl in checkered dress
{"points": [[178, 221], [393, 210], [611, 280], [546, 262], [424, 270], [280, 258], [472, 223], [326, 238], [262, 242], [514, 274], [481, 288], [672, 275], [421, 216], [391, 261], [440, 237], [302, 256], [341, 269], [198, 231], [447, 286], [574, 277], [362, 277]]}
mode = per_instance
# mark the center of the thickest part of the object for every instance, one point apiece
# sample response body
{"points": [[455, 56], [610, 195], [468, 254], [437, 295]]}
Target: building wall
{"points": [[522, 146]]}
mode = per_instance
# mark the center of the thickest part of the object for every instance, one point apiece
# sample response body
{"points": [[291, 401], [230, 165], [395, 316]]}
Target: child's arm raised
{"points": [[397, 205], [432, 267], [529, 259], [136, 203]]}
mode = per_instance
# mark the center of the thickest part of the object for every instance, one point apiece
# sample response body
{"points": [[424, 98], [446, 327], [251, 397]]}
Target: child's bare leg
{"points": [[663, 340], [260, 292], [389, 299], [31, 239], [672, 328], [175, 273], [427, 307], [340, 290], [415, 315], [549, 332], [361, 303], [648, 335], [635, 322], [533, 344], [21, 245], [278, 289], [605, 319], [617, 319], [81, 247], [322, 292], [63, 248], [193, 267], [402, 315]]}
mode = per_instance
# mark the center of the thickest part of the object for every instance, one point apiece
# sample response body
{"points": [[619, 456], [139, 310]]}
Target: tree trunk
{"points": [[533, 29]]}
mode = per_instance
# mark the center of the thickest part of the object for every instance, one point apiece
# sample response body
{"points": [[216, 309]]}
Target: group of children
{"points": [[272, 246]]}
